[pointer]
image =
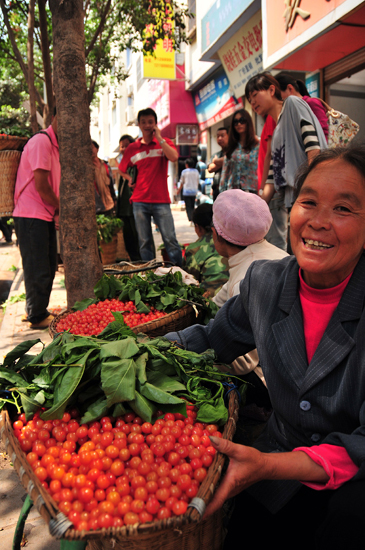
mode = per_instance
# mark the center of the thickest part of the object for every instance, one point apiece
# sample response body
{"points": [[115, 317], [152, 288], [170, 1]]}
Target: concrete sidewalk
{"points": [[12, 332]]}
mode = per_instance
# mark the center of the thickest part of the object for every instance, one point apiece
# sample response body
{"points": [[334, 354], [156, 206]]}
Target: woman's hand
{"points": [[246, 467]]}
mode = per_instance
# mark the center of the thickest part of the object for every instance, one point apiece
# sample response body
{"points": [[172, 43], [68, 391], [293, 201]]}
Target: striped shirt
{"points": [[297, 132]]}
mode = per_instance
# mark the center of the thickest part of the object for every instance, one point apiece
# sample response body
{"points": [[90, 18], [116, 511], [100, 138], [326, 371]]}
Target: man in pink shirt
{"points": [[36, 200]]}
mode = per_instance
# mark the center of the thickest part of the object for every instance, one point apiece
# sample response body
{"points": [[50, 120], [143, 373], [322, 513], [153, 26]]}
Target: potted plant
{"points": [[107, 230]]}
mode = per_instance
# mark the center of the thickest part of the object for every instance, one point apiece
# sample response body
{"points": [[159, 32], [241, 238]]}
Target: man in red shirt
{"points": [[150, 155]]}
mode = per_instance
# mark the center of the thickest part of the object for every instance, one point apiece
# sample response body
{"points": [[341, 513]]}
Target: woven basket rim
{"points": [[49, 509], [150, 325], [11, 143]]}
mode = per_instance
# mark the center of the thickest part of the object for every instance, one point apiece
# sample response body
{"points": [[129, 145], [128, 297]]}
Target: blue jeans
{"points": [[278, 232], [143, 212]]}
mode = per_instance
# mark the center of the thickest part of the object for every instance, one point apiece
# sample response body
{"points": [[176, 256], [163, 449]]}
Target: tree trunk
{"points": [[47, 67], [77, 203], [30, 58]]}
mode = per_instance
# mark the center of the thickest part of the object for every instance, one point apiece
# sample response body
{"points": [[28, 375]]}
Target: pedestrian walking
{"points": [[189, 182], [216, 162]]}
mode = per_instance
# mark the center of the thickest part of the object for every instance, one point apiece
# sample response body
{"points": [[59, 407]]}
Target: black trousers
{"points": [[6, 229], [38, 249], [319, 520], [131, 238], [189, 205]]}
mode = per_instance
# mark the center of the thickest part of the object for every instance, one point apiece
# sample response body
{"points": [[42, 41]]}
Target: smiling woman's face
{"points": [[327, 223]]}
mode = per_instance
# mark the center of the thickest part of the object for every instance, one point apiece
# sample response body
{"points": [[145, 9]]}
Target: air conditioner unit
{"points": [[130, 90], [130, 116]]}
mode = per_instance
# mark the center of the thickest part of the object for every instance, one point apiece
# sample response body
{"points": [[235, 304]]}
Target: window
{"points": [[192, 20], [114, 113], [128, 57]]}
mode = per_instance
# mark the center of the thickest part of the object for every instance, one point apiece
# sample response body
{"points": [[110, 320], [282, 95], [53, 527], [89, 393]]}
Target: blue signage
{"points": [[219, 18], [312, 83]]}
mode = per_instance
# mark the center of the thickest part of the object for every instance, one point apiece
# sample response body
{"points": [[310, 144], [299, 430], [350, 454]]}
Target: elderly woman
{"points": [[306, 316]]}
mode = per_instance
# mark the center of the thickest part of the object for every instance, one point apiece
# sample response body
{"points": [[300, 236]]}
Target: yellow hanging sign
{"points": [[162, 64]]}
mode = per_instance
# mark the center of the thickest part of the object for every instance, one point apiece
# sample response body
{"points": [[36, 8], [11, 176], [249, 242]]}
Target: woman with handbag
{"points": [[290, 86]]}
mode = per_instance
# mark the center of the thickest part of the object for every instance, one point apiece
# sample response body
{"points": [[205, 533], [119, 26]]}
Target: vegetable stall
{"points": [[109, 432]]}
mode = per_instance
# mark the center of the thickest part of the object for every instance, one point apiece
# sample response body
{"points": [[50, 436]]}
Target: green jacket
{"points": [[205, 264]]}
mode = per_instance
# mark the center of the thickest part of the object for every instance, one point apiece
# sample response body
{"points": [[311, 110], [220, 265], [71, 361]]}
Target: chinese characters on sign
{"points": [[187, 134], [241, 56], [162, 64], [292, 9], [214, 101]]}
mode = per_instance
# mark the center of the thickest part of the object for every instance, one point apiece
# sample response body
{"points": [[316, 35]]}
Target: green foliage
{"points": [[110, 27], [14, 119], [165, 293], [107, 227], [112, 373], [13, 300]]}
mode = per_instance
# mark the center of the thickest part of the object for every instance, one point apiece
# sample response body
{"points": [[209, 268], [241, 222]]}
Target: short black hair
{"points": [[202, 216], [95, 144], [146, 112], [128, 137], [190, 162], [354, 155], [262, 81], [223, 128]]}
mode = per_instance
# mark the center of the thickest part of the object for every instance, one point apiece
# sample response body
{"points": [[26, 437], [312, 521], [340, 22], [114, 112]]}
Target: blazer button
{"points": [[315, 437], [305, 405]]}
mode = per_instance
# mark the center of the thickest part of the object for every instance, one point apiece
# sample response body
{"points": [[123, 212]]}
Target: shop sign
{"points": [[292, 9], [159, 95], [241, 56], [219, 18], [290, 24], [214, 101], [187, 134], [162, 64], [312, 83]]}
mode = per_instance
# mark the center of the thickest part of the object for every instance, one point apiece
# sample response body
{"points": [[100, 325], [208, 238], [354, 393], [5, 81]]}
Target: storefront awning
{"points": [[347, 36]]}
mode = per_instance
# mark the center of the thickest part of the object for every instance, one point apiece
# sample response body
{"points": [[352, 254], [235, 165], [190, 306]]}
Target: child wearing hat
{"points": [[240, 223]]}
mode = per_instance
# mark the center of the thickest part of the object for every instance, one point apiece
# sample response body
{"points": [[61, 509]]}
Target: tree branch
{"points": [[16, 51], [30, 56], [47, 66], [100, 28]]}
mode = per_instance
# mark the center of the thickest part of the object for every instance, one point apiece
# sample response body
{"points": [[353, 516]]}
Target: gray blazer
{"points": [[323, 402]]}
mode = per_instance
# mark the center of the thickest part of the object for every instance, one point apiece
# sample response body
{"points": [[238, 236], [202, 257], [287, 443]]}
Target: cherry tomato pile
{"points": [[122, 471], [96, 317]]}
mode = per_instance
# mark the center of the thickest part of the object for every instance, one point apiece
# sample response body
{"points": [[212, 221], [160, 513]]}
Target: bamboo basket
{"points": [[187, 530], [172, 322], [129, 267], [122, 253], [108, 251], [9, 162], [12, 143]]}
